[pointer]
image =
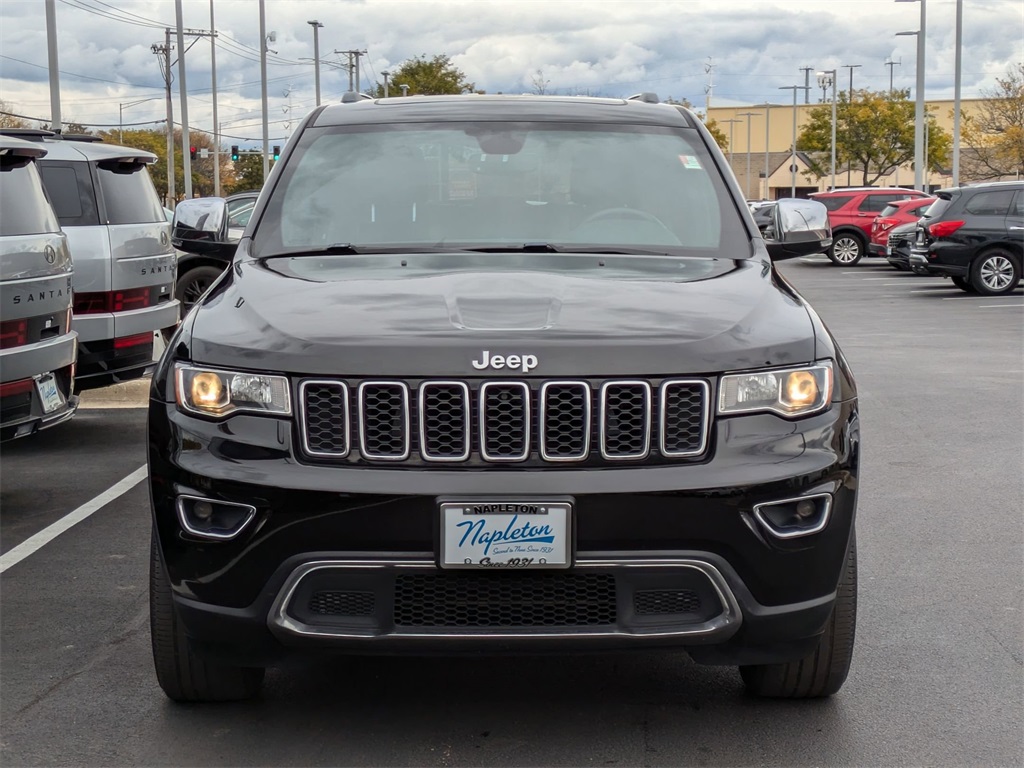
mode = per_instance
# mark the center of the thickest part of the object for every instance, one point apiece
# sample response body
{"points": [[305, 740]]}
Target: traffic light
{"points": [[192, 152], [277, 152], [234, 153]]}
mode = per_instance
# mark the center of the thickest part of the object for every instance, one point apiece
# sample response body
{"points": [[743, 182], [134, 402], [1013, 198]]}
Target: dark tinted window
{"points": [[1018, 207], [129, 195], [995, 203], [240, 211], [24, 209], [71, 192], [889, 210], [834, 203], [877, 203]]}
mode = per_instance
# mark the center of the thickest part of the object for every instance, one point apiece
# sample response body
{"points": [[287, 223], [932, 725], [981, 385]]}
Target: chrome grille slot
{"points": [[504, 421], [564, 420], [384, 420], [444, 418], [683, 417], [625, 420], [325, 418]]}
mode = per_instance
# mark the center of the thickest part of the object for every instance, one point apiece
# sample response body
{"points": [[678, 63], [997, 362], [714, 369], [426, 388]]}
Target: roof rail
{"points": [[647, 97], [350, 97], [27, 133]]}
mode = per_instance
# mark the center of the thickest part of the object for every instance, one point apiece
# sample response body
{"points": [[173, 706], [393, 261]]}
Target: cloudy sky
{"points": [[610, 48]]}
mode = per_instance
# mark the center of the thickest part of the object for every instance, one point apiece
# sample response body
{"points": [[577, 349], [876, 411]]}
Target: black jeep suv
{"points": [[975, 235], [499, 375]]}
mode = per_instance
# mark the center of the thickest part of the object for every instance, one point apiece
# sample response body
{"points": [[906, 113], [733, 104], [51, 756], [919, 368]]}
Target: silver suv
{"points": [[120, 240], [37, 345]]}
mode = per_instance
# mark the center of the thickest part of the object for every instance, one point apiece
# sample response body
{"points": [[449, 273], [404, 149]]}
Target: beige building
{"points": [[777, 135]]}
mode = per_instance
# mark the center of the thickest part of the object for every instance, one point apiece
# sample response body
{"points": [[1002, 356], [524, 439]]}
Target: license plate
{"points": [[505, 534], [888, 250], [50, 396]]}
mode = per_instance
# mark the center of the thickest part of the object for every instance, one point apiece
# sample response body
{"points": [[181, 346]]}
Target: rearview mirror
{"points": [[798, 228], [200, 225]]}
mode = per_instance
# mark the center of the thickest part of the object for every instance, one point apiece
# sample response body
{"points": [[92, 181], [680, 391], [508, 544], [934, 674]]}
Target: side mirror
{"points": [[798, 228], [200, 225]]}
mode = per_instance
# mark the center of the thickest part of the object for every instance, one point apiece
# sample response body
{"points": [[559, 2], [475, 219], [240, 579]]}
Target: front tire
{"points": [[182, 675], [824, 671], [995, 272], [846, 250]]}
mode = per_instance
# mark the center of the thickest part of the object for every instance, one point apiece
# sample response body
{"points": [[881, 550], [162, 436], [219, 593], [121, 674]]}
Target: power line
{"points": [[88, 125], [104, 14], [83, 77]]}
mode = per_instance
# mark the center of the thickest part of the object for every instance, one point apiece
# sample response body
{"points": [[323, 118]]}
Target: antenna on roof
{"points": [[647, 97]]}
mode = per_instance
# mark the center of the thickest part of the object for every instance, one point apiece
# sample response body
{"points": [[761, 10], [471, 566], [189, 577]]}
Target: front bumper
{"points": [[364, 535]]}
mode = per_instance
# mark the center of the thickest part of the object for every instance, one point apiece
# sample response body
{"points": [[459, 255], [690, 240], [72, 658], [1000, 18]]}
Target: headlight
{"points": [[787, 391], [219, 393]]}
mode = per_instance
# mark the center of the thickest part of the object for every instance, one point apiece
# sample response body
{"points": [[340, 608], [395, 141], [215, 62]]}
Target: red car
{"points": [[850, 213], [899, 212]]}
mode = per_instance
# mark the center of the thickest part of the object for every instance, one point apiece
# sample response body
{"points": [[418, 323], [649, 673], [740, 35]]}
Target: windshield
{"points": [[502, 184]]}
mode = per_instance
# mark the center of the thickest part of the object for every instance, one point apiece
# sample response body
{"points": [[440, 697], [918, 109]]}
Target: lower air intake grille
{"points": [[505, 600], [334, 603], [660, 601]]}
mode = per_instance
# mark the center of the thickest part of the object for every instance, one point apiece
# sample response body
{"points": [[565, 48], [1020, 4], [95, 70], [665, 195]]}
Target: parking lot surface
{"points": [[937, 672]]}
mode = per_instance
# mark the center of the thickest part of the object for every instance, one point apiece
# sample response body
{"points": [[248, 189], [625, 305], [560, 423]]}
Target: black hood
{"points": [[433, 315]]}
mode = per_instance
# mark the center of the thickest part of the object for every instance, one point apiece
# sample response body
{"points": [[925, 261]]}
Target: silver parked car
{"points": [[120, 241], [37, 345]]}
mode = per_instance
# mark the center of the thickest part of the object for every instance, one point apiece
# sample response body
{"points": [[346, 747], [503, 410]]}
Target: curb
{"points": [[130, 394]]}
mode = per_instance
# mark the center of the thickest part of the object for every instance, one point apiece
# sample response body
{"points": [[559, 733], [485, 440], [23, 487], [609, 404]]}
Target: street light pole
{"points": [[731, 121], [748, 115], [956, 90], [826, 79], [186, 159], [919, 159], [792, 160], [54, 67], [386, 75], [263, 89], [767, 122], [216, 124], [317, 26]]}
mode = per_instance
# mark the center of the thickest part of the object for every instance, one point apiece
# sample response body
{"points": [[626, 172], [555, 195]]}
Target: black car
{"points": [[975, 235], [503, 374], [198, 270], [897, 248]]}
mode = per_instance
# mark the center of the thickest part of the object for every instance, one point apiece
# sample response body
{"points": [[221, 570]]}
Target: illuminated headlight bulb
{"points": [[208, 390], [800, 388]]}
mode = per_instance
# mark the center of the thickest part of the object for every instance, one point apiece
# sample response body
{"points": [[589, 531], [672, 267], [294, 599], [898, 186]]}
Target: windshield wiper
{"points": [[599, 250]]}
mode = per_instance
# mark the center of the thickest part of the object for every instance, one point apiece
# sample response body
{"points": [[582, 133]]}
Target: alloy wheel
{"points": [[846, 250], [996, 272]]}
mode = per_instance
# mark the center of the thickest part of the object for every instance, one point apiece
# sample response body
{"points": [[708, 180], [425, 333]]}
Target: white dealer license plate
{"points": [[50, 396], [888, 250], [505, 534]]}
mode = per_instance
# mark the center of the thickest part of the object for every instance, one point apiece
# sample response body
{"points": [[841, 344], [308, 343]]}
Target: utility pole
{"points": [[710, 87], [165, 69], [748, 115], [51, 55], [263, 95], [767, 122], [851, 67], [385, 74], [216, 124], [807, 83], [317, 26], [890, 64]]}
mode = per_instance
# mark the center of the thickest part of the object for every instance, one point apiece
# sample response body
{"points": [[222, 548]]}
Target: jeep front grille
{"points": [[474, 422]]}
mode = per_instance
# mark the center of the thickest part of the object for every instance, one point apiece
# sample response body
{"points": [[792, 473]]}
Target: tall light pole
{"points": [[849, 100], [731, 121], [792, 159], [216, 128], [186, 158], [386, 75], [828, 79], [317, 26], [956, 90], [54, 67], [919, 159], [263, 89], [767, 170], [748, 115]]}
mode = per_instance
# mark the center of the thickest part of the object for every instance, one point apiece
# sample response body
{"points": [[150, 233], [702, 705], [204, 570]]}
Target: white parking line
{"points": [[997, 306], [50, 532]]}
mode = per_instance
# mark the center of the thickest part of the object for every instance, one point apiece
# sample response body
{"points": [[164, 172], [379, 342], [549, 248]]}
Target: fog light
{"points": [[790, 518], [805, 509], [213, 519]]}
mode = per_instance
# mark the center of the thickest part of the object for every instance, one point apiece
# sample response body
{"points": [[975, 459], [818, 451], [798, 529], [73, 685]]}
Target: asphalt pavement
{"points": [[938, 671]]}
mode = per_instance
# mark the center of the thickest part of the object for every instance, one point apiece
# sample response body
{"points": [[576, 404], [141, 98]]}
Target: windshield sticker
{"points": [[689, 161]]}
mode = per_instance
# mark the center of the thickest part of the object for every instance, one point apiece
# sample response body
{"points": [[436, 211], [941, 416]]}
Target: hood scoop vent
{"points": [[504, 313]]}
